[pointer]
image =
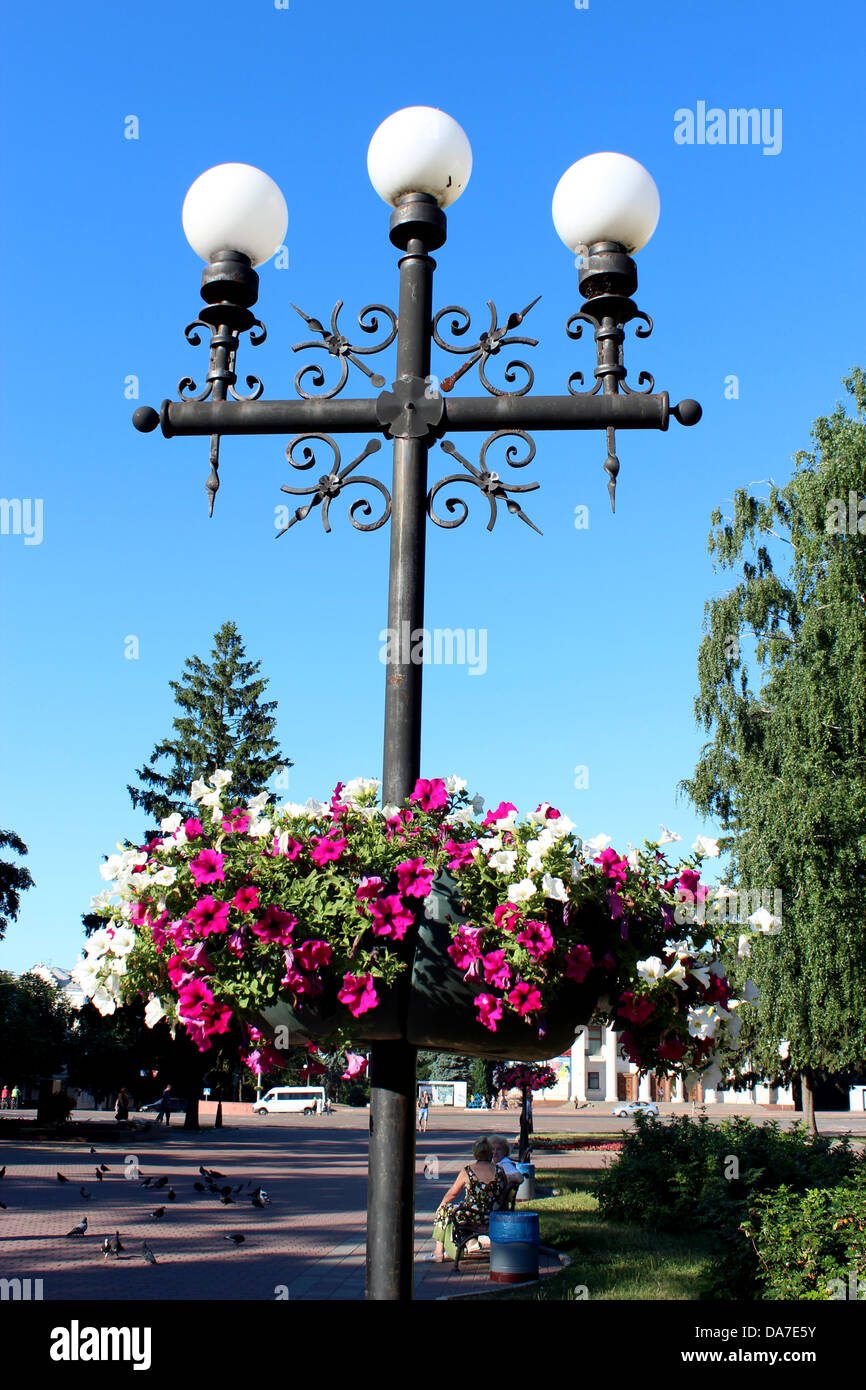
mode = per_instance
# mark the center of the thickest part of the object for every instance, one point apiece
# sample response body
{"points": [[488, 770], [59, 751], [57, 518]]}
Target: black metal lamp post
{"points": [[419, 161]]}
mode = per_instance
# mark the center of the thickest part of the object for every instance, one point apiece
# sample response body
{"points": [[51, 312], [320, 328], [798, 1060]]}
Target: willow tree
{"points": [[782, 674]]}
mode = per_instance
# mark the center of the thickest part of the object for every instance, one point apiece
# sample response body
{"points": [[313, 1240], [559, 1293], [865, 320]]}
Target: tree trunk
{"points": [[524, 1146], [809, 1103], [44, 1107]]}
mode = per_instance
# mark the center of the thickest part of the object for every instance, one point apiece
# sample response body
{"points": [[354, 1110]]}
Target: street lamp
{"points": [[605, 207]]}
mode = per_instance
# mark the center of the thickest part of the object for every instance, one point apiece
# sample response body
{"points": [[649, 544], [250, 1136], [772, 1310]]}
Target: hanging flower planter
{"points": [[340, 921]]}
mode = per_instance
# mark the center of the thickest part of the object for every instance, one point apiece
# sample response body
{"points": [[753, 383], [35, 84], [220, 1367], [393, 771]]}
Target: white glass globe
{"points": [[606, 197], [420, 150], [235, 207]]}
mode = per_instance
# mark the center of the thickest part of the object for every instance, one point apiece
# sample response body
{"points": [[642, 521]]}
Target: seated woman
{"points": [[480, 1183]]}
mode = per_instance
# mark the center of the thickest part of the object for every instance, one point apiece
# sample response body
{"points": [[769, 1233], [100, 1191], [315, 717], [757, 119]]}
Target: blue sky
{"points": [[592, 634]]}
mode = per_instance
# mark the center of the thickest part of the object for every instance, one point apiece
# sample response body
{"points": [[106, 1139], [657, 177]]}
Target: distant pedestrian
{"points": [[423, 1111], [121, 1106], [164, 1106], [16, 1097], [4, 1098]]}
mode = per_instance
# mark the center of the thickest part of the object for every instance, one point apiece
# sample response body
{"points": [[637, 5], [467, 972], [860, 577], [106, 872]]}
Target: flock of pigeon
{"points": [[210, 1186]]}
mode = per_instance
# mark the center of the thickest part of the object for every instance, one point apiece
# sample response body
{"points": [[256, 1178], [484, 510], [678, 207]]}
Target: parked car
{"points": [[175, 1105], [636, 1107]]}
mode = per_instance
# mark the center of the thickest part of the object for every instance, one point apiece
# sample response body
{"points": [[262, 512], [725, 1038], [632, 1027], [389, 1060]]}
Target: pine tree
{"points": [[223, 723], [786, 771]]}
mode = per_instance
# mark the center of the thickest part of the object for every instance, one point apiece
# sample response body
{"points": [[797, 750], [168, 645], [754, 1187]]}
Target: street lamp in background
{"points": [[605, 208]]}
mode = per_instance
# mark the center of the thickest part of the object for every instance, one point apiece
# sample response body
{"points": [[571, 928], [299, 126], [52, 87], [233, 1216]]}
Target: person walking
{"points": [[121, 1105], [164, 1106], [423, 1111], [4, 1098], [15, 1098]]}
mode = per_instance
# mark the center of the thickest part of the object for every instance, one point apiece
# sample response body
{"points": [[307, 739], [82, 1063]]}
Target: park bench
{"points": [[465, 1231]]}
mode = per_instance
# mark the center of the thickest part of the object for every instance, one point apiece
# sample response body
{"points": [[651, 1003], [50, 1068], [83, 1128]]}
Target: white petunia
{"points": [[633, 857], [123, 941], [453, 785], [554, 888], [164, 878], [744, 947], [104, 1003], [99, 943], [596, 844], [220, 778], [462, 816], [171, 823], [652, 969], [111, 868], [258, 828], [560, 827], [503, 861], [477, 804], [668, 837], [198, 790], [257, 804], [677, 973], [153, 1011], [315, 808], [764, 922], [522, 892], [704, 1022], [706, 847], [100, 901], [701, 974], [505, 822], [293, 808]]}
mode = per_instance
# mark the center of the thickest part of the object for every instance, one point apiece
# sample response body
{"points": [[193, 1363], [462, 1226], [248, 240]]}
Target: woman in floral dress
{"points": [[480, 1183]]}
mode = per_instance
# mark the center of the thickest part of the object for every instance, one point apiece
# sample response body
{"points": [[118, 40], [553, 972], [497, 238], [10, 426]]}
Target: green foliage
{"points": [[447, 1066], [14, 879], [481, 1081], [782, 673], [223, 723], [701, 1175], [805, 1242], [36, 1021]]}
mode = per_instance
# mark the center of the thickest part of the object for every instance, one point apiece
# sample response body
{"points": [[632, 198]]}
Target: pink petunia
{"points": [[637, 1008], [193, 828], [292, 849], [578, 963], [207, 867], [615, 903], [489, 1010], [496, 972], [612, 865], [524, 999], [460, 854], [194, 998], [414, 880], [209, 915], [358, 994], [312, 955], [672, 1049], [246, 899], [430, 795], [236, 822], [507, 916], [326, 849], [369, 887], [537, 939], [629, 1046], [502, 810], [355, 1066], [465, 949], [276, 925], [391, 917]]}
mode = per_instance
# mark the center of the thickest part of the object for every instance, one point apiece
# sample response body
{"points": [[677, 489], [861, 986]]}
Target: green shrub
{"points": [[811, 1245], [700, 1175]]}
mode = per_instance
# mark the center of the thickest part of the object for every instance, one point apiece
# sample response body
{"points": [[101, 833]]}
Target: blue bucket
{"points": [[513, 1246]]}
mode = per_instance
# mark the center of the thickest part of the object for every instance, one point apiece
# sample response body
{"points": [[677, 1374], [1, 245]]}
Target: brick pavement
{"points": [[308, 1244]]}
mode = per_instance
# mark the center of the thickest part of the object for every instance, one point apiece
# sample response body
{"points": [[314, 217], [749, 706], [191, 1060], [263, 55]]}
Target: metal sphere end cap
{"points": [[145, 419], [688, 412]]}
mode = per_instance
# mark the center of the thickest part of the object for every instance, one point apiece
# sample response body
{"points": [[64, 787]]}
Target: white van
{"points": [[308, 1100]]}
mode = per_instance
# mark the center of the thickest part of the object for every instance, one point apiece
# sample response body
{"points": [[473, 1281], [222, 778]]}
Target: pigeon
{"points": [[147, 1253], [199, 1186], [236, 1239], [157, 1214], [85, 1195], [212, 1173], [203, 1172], [145, 1182], [160, 1182], [105, 1168], [227, 1201], [171, 1194], [79, 1229], [92, 1149], [107, 1248], [117, 1245], [4, 1206], [3, 1171], [224, 1191], [263, 1198], [98, 1172], [62, 1178]]}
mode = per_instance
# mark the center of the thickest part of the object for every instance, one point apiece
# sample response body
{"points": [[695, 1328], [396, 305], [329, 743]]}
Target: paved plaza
{"points": [[307, 1243]]}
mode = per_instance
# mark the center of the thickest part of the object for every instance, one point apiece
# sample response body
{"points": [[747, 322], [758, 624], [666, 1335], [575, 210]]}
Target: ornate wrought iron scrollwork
{"points": [[487, 346], [331, 484], [488, 483], [609, 335], [339, 346], [225, 323]]}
